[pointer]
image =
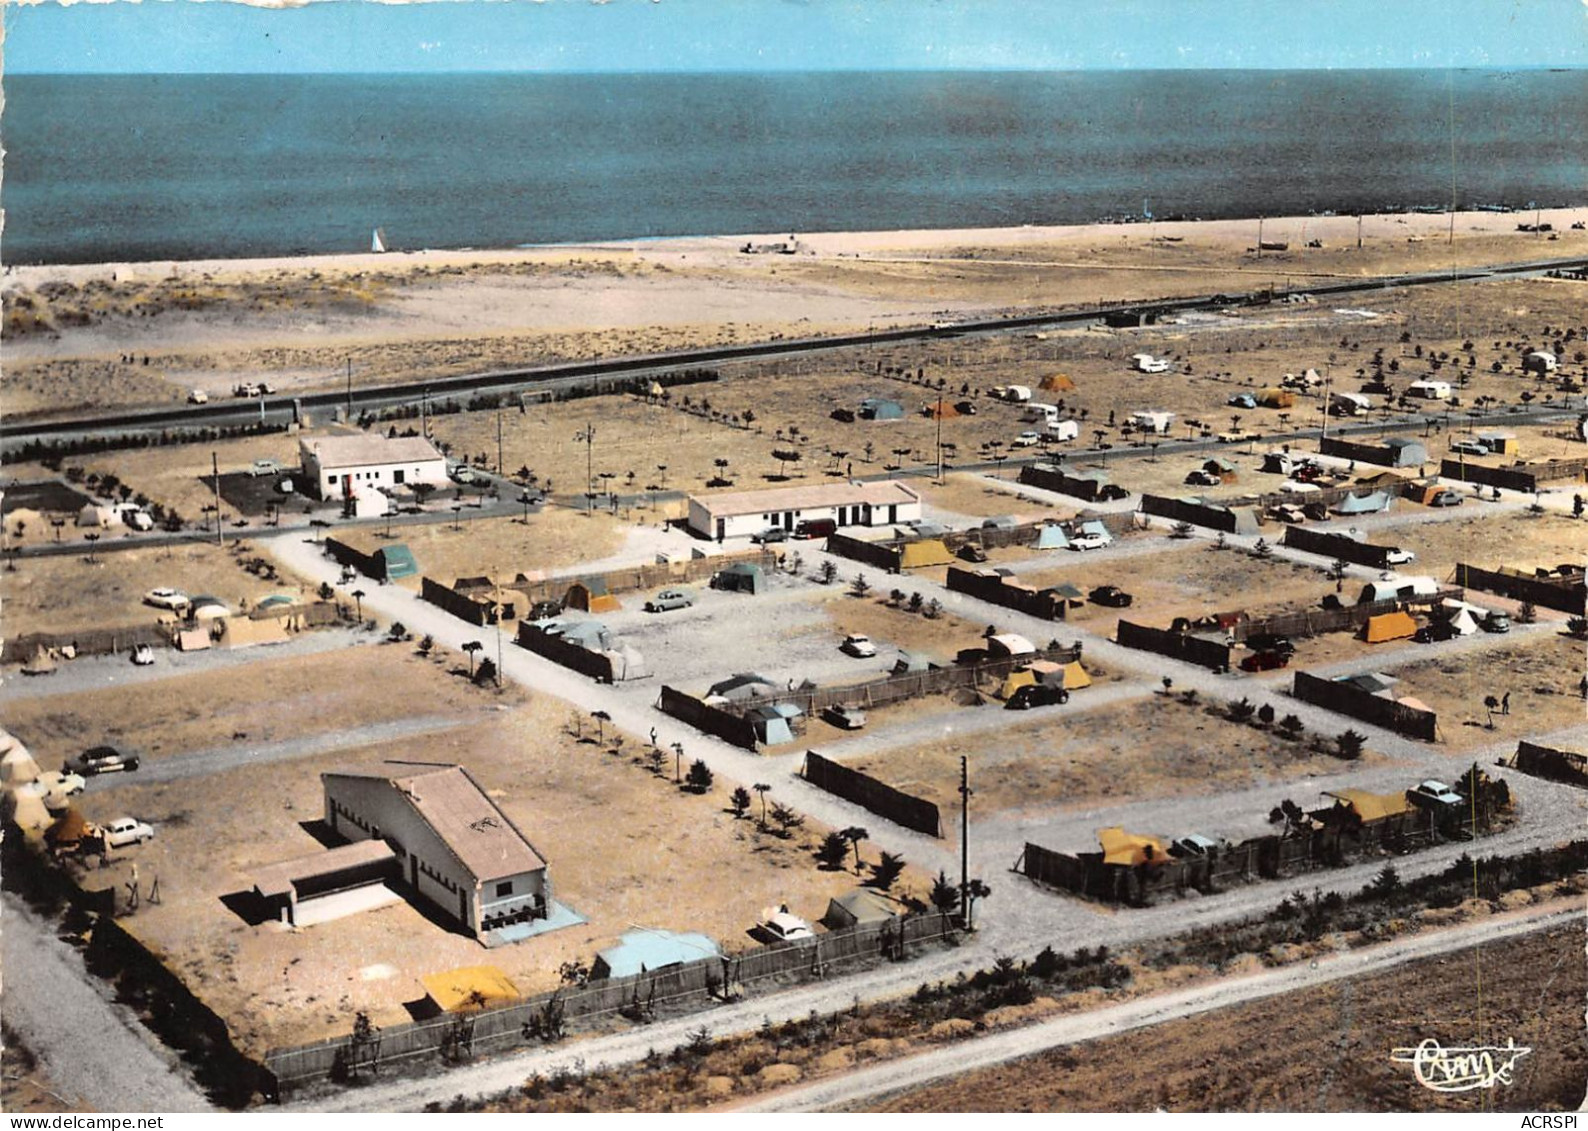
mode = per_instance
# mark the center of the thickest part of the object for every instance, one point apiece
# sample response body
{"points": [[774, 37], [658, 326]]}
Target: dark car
{"points": [[1436, 632], [544, 610], [1271, 642], [1036, 695], [970, 552], [1111, 595], [100, 760], [769, 535], [1265, 661], [966, 408], [1112, 491], [843, 415], [815, 528]]}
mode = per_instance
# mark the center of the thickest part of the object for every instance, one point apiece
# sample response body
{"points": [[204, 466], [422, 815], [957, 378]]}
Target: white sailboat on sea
{"points": [[377, 242]]}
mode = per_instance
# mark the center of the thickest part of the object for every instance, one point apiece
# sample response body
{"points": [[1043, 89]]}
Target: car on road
{"points": [[1027, 440], [965, 408], [462, 474], [1436, 632], [1238, 436], [1398, 556], [1445, 499], [263, 467], [858, 646], [166, 598], [1111, 492], [198, 396], [1089, 541], [1496, 622], [1470, 447], [1110, 595], [769, 535], [126, 830], [670, 599], [143, 655], [1036, 695], [845, 716], [100, 760]]}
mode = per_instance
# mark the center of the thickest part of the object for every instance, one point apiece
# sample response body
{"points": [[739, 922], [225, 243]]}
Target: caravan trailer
{"points": [[1063, 429], [1146, 363], [1429, 390]]}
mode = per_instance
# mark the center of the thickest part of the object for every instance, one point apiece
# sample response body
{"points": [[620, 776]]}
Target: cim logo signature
{"points": [[1460, 1069]]}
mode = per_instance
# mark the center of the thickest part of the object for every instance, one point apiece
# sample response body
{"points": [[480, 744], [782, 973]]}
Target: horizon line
{"points": [[694, 71]]}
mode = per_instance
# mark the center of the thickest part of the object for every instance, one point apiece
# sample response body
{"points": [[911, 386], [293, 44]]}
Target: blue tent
{"points": [[874, 409], [643, 951], [1052, 538]]}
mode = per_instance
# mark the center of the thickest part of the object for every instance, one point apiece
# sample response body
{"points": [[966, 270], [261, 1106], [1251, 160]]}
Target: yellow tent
{"points": [[937, 410], [1075, 676], [1389, 626], [1372, 806], [1276, 398], [469, 988], [1015, 680], [241, 632], [927, 552], [1120, 847], [1060, 382]]}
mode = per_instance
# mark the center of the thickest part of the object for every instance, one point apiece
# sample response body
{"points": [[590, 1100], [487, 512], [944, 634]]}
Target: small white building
{"points": [[1146, 363], [1350, 404], [338, 466], [1158, 423], [454, 846], [740, 514], [1539, 361], [1429, 390]]}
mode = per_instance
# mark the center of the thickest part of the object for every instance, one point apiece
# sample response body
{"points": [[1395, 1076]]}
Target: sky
{"points": [[330, 36]]}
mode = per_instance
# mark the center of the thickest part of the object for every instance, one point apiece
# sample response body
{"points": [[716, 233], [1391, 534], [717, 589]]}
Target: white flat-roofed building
{"points": [[338, 466], [740, 514]]}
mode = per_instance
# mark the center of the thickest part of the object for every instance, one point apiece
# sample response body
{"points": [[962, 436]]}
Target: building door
{"points": [[413, 870], [893, 513], [397, 476]]}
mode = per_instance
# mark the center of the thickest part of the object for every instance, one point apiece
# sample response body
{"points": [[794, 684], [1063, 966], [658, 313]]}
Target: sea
{"points": [[109, 168]]}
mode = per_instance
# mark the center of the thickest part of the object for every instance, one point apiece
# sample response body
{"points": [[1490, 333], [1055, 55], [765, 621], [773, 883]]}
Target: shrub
{"points": [[861, 585], [834, 851], [1292, 726], [699, 778], [740, 800], [485, 673], [1241, 710], [1348, 744], [1265, 714]]}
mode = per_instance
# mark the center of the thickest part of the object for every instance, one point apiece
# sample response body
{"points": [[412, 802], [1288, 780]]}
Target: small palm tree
{"points": [[974, 890], [358, 598], [854, 834], [469, 649], [1491, 704], [762, 788]]}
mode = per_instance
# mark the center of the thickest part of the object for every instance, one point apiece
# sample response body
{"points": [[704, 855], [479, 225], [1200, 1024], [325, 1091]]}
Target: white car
{"points": [[143, 655], [198, 396], [1399, 557], [785, 927], [126, 830], [1089, 541], [265, 467], [858, 646], [166, 598], [1027, 440]]}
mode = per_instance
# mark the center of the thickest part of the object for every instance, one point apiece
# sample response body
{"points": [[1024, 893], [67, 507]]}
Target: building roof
{"points": [[365, 448], [801, 498], [641, 950], [1372, 682], [278, 879], [469, 823]]}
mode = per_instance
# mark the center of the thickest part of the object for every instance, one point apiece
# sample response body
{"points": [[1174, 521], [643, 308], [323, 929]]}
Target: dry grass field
{"points": [[1491, 540], [1148, 747], [625, 847], [1541, 673], [66, 593], [1323, 1049], [270, 700]]}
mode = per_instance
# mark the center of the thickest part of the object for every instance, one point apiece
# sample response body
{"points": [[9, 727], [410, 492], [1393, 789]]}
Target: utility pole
{"points": [[964, 835], [349, 391], [588, 436], [1259, 237], [1359, 231], [940, 433], [215, 468], [501, 468]]}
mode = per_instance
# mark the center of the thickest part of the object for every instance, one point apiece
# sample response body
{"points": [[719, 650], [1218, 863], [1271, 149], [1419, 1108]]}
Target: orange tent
{"points": [[1389, 626], [1057, 382], [936, 410]]}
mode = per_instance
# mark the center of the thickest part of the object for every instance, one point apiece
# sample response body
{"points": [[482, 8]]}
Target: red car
{"points": [[1265, 661]]}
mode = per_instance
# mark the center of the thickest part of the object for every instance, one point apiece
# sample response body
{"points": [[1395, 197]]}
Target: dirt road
{"points": [[911, 1072], [86, 1041]]}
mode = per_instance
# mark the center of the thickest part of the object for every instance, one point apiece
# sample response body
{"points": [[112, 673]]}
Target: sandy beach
{"points": [[94, 336]]}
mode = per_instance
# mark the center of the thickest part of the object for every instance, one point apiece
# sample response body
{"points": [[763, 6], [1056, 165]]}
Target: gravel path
{"points": [[85, 1040]]}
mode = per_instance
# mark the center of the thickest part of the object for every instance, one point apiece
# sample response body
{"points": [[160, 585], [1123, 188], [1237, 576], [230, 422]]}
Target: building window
{"points": [[504, 888], [397, 476]]}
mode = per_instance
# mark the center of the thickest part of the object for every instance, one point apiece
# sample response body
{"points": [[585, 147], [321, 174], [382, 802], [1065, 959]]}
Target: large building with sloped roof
{"points": [[454, 846]]}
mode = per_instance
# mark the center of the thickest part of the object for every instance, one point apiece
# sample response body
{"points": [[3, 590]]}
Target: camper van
{"points": [[1019, 394], [1146, 363], [1429, 390], [1037, 412]]}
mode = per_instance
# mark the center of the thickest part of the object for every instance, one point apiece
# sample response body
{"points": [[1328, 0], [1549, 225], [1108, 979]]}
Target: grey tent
{"points": [[774, 723], [591, 635], [1051, 537], [873, 408], [742, 686], [860, 907], [1363, 504], [740, 577]]}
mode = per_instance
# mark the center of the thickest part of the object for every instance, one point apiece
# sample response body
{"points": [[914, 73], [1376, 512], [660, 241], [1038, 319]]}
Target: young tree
{"points": [[861, 585], [786, 819], [945, 896], [886, 871], [700, 777], [397, 631], [829, 571], [784, 457], [833, 852], [1265, 714], [739, 799], [854, 834], [325, 592], [1292, 726], [1349, 743], [358, 598], [1491, 704]]}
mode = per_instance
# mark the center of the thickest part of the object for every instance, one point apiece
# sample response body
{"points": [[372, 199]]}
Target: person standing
{"points": [[1505, 703]]}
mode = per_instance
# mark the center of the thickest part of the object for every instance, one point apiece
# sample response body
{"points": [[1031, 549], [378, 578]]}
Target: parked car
{"points": [[1026, 440], [1089, 541], [815, 528], [1036, 695], [1439, 630], [858, 646], [769, 535], [463, 474], [1470, 447], [1271, 642], [544, 610], [1445, 498], [138, 519], [143, 655], [845, 716], [843, 415], [670, 599], [126, 830], [783, 926], [166, 598], [1496, 622], [1109, 492], [970, 552], [285, 487], [1200, 478], [1265, 661], [1111, 595], [198, 396], [966, 408], [100, 760], [262, 467], [58, 784], [1399, 557]]}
